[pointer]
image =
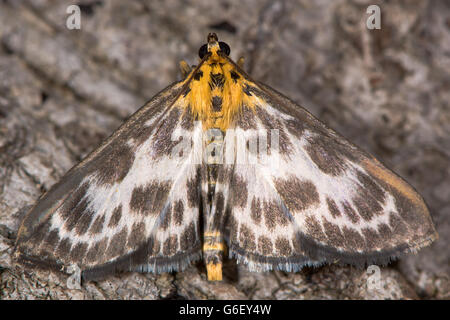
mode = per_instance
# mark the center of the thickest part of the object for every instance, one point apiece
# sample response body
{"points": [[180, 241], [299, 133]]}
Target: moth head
{"points": [[213, 46]]}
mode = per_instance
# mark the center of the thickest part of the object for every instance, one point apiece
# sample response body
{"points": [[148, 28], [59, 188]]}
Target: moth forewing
{"points": [[121, 198]]}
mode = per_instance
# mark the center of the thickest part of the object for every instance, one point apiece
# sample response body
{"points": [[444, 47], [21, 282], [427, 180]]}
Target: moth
{"points": [[215, 163]]}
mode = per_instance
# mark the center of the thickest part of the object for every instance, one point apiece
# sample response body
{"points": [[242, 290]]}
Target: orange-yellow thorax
{"points": [[216, 92]]}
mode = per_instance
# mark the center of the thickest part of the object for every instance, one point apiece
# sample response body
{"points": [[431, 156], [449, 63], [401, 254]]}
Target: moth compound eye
{"points": [[224, 48], [202, 51]]}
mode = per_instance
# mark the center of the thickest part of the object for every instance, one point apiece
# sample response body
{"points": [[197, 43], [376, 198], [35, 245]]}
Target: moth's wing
{"points": [[258, 228], [319, 198], [132, 204]]}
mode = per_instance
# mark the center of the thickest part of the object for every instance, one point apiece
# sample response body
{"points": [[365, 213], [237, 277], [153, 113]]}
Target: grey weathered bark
{"points": [[62, 91]]}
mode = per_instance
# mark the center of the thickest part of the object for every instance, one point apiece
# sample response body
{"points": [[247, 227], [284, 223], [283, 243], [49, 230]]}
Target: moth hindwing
{"points": [[220, 163]]}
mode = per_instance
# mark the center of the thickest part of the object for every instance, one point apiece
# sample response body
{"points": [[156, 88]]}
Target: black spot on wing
{"points": [[330, 157], [371, 186], [314, 229], [334, 234], [239, 191], [113, 165], [297, 194], [162, 143], [150, 199], [170, 245], [187, 120], [270, 123], [178, 212], [232, 228], [155, 248], [139, 201], [384, 231], [283, 246], [274, 215], [373, 239], [117, 244], [137, 235], [353, 240], [256, 210], [97, 226], [63, 249], [246, 119], [398, 226], [76, 213], [84, 221], [96, 251], [188, 236], [366, 206], [115, 217], [332, 208], [295, 127], [166, 218], [78, 252], [265, 246], [193, 190], [74, 200], [369, 197], [52, 239], [350, 212], [247, 238]]}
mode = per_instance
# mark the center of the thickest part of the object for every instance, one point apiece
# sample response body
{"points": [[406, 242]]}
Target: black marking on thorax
{"points": [[216, 75], [198, 75], [216, 85], [217, 80]]}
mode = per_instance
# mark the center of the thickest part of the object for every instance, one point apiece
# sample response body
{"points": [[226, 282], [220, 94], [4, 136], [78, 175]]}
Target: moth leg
{"points": [[185, 69], [240, 62]]}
